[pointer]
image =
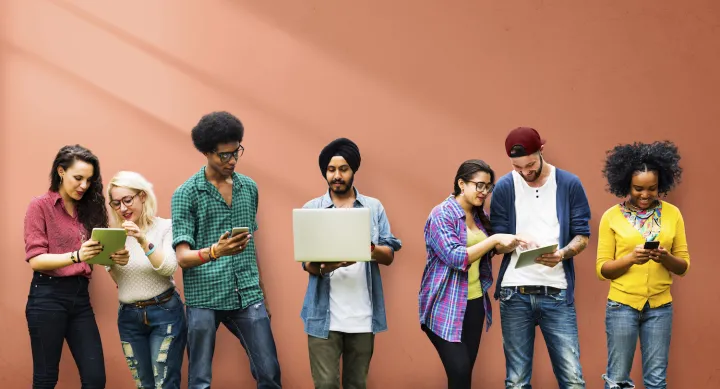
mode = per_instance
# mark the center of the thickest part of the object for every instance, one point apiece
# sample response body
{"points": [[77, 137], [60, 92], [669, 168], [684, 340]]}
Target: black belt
{"points": [[536, 289]]}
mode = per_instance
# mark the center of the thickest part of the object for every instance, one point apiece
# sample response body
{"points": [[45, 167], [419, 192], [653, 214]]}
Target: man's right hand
{"points": [[228, 245]]}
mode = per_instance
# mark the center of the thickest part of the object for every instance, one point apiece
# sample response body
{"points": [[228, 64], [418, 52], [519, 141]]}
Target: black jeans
{"points": [[59, 309], [458, 358]]}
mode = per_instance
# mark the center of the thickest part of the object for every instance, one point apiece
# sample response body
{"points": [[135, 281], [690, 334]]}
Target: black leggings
{"points": [[459, 358]]}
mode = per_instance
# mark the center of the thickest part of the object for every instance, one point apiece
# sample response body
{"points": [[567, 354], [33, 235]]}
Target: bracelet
{"points": [[152, 250], [212, 253], [203, 260], [74, 255]]}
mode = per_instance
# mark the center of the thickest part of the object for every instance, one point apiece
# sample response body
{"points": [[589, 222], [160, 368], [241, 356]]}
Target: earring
{"points": [[61, 179]]}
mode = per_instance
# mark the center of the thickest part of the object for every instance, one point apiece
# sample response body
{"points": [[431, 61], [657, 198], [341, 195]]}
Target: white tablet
{"points": [[528, 257]]}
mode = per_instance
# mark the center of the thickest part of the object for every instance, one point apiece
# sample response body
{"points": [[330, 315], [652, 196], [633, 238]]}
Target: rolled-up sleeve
{"points": [[35, 231], [182, 218], [386, 238], [444, 242], [680, 246], [169, 263], [606, 245]]}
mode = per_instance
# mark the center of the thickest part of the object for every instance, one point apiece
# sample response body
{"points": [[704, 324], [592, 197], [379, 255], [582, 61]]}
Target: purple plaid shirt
{"points": [[444, 287]]}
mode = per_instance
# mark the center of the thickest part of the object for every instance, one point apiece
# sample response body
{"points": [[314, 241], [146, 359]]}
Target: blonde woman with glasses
{"points": [[151, 317]]}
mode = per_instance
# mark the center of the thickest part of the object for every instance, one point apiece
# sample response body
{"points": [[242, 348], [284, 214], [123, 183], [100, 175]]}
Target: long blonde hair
{"points": [[135, 181]]}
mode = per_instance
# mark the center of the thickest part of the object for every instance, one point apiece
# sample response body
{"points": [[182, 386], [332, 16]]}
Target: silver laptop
{"points": [[331, 234]]}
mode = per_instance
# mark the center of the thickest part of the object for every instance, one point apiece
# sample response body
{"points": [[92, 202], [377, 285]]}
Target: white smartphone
{"points": [[239, 230]]}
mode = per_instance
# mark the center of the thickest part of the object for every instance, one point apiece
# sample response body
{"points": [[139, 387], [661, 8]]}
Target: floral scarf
{"points": [[646, 221]]}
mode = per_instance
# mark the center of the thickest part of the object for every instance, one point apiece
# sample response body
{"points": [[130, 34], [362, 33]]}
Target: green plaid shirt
{"points": [[200, 216]]}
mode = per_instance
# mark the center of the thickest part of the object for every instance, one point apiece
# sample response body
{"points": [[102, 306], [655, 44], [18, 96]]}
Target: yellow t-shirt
{"points": [[650, 281], [474, 287]]}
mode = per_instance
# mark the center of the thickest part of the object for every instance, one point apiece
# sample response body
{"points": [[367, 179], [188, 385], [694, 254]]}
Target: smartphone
{"points": [[652, 245], [239, 230]]}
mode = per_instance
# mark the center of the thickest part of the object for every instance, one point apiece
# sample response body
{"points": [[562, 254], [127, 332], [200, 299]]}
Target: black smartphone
{"points": [[652, 245]]}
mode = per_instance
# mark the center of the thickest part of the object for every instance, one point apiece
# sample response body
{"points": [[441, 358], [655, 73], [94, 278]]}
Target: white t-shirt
{"points": [[350, 305], [536, 218]]}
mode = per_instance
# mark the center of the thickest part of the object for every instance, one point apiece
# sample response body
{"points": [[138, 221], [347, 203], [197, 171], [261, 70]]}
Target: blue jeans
{"points": [[251, 326], [153, 340], [519, 314], [623, 325]]}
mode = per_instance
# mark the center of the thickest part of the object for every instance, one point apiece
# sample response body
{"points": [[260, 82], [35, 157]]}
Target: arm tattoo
{"points": [[575, 247]]}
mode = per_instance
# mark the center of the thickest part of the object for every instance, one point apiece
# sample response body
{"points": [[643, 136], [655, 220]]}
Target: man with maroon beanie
{"points": [[545, 205]]}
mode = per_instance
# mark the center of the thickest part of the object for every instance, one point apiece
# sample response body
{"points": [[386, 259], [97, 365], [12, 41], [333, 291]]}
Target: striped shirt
{"points": [[444, 286]]}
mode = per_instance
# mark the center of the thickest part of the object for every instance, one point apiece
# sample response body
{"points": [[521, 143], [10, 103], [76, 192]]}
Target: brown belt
{"points": [[165, 297], [162, 299]]}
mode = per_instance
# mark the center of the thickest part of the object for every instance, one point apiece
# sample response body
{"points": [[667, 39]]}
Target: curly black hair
{"points": [[624, 161], [91, 209], [215, 128]]}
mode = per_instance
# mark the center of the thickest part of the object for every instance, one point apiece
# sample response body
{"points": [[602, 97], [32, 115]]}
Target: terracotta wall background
{"points": [[419, 85]]}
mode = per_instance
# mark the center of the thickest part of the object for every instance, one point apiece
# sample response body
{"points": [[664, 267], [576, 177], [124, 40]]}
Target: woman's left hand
{"points": [[121, 257], [133, 230], [659, 254]]}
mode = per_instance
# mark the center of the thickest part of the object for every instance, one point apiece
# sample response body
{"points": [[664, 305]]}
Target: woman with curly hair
{"points": [[639, 303], [57, 225]]}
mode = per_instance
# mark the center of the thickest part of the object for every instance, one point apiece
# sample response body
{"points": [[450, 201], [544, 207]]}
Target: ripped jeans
{"points": [[623, 326], [153, 340]]}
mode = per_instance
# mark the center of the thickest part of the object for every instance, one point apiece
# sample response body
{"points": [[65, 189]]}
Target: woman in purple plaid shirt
{"points": [[453, 294]]}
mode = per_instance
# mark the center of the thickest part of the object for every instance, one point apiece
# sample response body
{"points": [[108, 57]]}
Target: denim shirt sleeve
{"points": [[386, 238], [579, 210], [183, 222]]}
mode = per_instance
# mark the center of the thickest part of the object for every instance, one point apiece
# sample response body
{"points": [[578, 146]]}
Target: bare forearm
{"points": [[383, 255], [48, 262], [476, 251], [674, 264], [156, 257], [575, 247], [616, 268], [189, 258]]}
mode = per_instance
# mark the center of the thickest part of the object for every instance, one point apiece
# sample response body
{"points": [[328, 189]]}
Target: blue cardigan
{"points": [[573, 211]]}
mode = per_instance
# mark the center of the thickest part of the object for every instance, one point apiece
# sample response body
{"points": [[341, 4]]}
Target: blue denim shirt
{"points": [[316, 306]]}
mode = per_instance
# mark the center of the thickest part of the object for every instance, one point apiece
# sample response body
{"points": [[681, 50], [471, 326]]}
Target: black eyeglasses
{"points": [[483, 186], [224, 157], [127, 200]]}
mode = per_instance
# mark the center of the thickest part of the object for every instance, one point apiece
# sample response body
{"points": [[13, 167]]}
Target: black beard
{"points": [[348, 187]]}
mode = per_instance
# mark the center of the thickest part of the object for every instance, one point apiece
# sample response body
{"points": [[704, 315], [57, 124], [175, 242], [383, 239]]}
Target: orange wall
{"points": [[420, 86]]}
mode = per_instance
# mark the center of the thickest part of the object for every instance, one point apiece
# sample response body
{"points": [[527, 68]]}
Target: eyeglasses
{"points": [[127, 200], [224, 157], [483, 186]]}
